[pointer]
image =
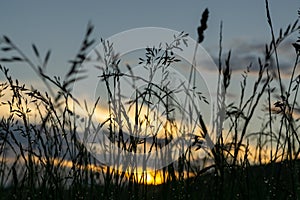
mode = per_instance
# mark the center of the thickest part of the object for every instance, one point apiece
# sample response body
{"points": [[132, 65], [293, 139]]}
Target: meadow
{"points": [[44, 138]]}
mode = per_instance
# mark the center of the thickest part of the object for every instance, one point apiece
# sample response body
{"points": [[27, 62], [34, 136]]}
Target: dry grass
{"points": [[42, 155]]}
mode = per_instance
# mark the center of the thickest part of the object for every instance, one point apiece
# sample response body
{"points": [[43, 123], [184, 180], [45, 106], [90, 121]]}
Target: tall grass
{"points": [[42, 155]]}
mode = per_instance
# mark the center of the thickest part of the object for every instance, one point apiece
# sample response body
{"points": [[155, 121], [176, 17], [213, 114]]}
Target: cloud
{"points": [[246, 52]]}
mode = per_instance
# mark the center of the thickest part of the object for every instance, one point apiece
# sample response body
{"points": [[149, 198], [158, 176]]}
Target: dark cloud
{"points": [[245, 52]]}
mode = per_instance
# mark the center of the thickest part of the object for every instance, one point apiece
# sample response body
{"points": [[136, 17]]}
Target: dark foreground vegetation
{"points": [[272, 181], [41, 156]]}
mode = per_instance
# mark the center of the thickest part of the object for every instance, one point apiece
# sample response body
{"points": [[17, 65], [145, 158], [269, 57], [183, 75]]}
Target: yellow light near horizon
{"points": [[154, 180], [151, 178]]}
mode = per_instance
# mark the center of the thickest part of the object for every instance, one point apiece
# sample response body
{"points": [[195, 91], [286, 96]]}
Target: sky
{"points": [[60, 25]]}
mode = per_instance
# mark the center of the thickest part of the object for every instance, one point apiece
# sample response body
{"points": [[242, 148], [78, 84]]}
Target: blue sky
{"points": [[60, 25]]}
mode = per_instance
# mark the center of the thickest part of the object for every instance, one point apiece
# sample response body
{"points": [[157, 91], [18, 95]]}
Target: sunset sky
{"points": [[60, 26]]}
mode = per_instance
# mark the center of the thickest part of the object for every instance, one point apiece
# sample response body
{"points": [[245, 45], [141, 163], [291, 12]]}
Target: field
{"points": [[51, 140]]}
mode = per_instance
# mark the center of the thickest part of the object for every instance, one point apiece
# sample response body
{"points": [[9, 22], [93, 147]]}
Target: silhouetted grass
{"points": [[42, 155]]}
